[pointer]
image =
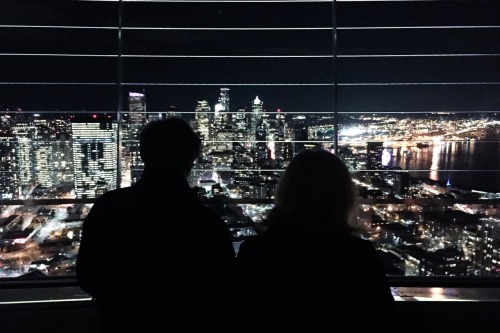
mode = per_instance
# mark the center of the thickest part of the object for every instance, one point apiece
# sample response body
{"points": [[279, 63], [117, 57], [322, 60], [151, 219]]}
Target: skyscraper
{"points": [[256, 117], [300, 134], [222, 133], [94, 154], [202, 117], [25, 133], [9, 181], [62, 163], [221, 109], [374, 155], [279, 130], [241, 120], [132, 124], [224, 99]]}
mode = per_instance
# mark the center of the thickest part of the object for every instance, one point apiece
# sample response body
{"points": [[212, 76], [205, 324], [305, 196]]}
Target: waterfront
{"points": [[471, 165]]}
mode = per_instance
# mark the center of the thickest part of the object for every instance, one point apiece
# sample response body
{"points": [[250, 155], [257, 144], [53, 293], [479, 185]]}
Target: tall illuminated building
{"points": [[62, 162], [203, 119], [132, 124], [219, 120], [201, 124], [263, 153], [487, 256], [256, 117], [300, 134], [280, 127], [43, 153], [224, 99], [221, 132], [25, 133], [9, 181], [221, 112], [94, 155], [241, 120], [137, 112]]}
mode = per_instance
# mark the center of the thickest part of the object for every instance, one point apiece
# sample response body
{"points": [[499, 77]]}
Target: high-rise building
{"points": [[224, 99], [132, 124], [9, 181], [263, 153], [401, 182], [283, 148], [374, 150], [137, 112], [256, 117], [241, 120], [488, 251], [43, 153], [222, 132], [25, 133], [62, 163], [94, 154], [202, 120], [202, 123], [221, 111], [300, 134], [62, 156]]}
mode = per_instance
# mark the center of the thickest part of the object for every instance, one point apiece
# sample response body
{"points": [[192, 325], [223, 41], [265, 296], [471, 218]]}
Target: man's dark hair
{"points": [[169, 144]]}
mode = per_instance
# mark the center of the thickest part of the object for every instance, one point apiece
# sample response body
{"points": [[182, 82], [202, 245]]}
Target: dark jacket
{"points": [[296, 282], [153, 255]]}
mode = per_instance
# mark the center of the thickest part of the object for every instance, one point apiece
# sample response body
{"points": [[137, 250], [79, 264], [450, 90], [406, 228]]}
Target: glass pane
{"points": [[409, 101]]}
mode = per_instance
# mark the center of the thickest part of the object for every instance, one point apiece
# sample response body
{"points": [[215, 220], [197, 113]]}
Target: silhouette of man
{"points": [[151, 254]]}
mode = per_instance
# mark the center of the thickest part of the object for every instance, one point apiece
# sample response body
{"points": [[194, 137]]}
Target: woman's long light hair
{"points": [[316, 194]]}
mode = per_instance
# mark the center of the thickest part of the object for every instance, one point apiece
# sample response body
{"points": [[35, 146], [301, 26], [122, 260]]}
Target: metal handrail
{"points": [[394, 281]]}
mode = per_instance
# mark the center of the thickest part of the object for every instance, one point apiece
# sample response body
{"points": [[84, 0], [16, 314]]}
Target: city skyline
{"points": [[220, 128]]}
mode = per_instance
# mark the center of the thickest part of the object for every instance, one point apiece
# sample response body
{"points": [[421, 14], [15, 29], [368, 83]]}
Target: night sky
{"points": [[281, 52]]}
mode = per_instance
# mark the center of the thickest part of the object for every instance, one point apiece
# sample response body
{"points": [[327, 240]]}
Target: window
{"points": [[404, 91]]}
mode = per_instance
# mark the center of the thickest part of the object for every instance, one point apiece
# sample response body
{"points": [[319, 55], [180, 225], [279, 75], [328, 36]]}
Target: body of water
{"points": [[467, 164]]}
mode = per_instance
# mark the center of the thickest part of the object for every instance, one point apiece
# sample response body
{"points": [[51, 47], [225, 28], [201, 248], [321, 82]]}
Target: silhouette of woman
{"points": [[308, 271]]}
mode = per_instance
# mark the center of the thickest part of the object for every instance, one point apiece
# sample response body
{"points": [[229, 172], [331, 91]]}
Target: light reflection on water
{"points": [[454, 161]]}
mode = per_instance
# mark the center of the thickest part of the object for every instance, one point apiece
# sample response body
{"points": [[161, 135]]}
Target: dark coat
{"points": [[299, 283], [153, 256]]}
